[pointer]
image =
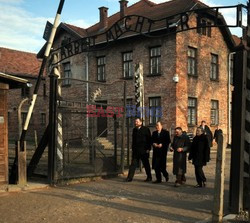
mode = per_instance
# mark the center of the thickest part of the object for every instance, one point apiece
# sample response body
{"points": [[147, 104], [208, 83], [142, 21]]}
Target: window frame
{"points": [[130, 120], [205, 28], [127, 65], [101, 68], [66, 74], [155, 118], [214, 65], [155, 61], [214, 121], [192, 111], [192, 62]]}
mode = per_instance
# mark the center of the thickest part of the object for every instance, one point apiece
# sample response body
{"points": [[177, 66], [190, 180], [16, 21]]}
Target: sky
{"points": [[22, 22]]}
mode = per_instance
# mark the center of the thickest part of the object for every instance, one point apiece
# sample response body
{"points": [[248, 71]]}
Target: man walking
{"points": [[207, 132], [161, 141], [141, 145], [180, 145]]}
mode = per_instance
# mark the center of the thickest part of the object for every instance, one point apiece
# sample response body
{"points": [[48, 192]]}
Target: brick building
{"points": [[7, 82], [200, 58], [24, 65]]}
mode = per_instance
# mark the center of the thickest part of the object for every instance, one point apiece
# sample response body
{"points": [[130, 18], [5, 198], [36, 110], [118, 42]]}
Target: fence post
{"points": [[22, 169], [123, 124], [52, 128], [219, 181], [128, 146], [115, 141]]}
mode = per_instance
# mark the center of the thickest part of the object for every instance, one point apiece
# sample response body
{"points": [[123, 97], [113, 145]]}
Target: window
{"points": [[101, 61], [67, 74], [23, 116], [214, 112], [155, 61], [25, 92], [155, 111], [192, 61], [192, 111], [214, 67], [204, 27], [127, 59], [43, 118]]}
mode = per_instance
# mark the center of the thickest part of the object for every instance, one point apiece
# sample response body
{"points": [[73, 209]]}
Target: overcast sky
{"points": [[22, 22]]}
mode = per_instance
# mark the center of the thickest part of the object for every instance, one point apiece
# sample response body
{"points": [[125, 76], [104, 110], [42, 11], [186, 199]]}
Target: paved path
{"points": [[113, 200]]}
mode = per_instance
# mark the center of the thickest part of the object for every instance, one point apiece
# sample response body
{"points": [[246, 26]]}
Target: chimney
{"points": [[123, 8], [103, 17]]}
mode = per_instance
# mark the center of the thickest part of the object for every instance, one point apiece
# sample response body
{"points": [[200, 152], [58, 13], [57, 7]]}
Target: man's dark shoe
{"points": [[157, 182], [177, 184], [128, 180], [148, 179]]}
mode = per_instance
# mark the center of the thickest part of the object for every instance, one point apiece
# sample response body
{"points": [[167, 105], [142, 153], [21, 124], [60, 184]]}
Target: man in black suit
{"points": [[161, 141], [141, 145], [207, 132], [180, 146]]}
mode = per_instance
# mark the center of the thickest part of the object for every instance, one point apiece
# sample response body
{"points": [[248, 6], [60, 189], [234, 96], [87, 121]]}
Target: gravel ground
{"points": [[113, 200]]}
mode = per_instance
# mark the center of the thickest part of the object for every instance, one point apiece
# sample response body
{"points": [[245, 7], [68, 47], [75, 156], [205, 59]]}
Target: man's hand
{"points": [[160, 145], [180, 150], [155, 145], [171, 149]]}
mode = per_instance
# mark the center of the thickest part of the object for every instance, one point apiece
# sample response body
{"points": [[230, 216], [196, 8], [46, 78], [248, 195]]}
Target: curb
{"points": [[18, 188]]}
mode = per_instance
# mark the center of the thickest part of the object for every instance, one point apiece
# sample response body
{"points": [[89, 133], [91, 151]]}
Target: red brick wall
{"points": [[3, 135], [202, 87], [174, 96], [41, 106]]}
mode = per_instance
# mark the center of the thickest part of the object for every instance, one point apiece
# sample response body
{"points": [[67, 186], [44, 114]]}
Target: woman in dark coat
{"points": [[200, 155]]}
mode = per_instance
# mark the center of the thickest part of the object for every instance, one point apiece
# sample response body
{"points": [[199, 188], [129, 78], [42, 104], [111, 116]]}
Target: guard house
{"points": [[7, 82]]}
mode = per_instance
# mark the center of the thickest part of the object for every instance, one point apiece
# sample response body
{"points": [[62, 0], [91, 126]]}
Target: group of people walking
{"points": [[198, 149]]}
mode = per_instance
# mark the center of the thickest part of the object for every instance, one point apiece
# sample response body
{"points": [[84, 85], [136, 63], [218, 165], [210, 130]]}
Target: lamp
{"points": [[176, 78]]}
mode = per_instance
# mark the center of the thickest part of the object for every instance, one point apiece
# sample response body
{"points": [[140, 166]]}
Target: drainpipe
{"points": [[229, 129]]}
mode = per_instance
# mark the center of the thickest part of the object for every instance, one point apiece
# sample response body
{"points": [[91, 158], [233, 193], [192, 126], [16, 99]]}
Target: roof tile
{"points": [[18, 62]]}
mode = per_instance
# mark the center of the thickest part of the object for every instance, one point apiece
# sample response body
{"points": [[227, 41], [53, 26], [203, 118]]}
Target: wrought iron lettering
{"points": [[145, 26]]}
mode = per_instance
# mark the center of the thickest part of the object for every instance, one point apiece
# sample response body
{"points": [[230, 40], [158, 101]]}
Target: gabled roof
{"points": [[18, 62], [150, 10]]}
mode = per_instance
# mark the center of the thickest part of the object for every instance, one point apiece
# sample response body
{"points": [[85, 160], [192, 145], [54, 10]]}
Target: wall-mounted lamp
{"points": [[176, 78], [28, 84]]}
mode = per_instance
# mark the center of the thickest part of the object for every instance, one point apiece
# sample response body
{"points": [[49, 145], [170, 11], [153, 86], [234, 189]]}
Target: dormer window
{"points": [[204, 27]]}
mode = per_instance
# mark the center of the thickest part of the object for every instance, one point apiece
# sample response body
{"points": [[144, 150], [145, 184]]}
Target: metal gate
{"points": [[89, 132]]}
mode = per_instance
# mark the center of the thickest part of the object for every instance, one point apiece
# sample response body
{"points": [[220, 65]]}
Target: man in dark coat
{"points": [[199, 154], [207, 132], [141, 145], [217, 132], [180, 146], [160, 141]]}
